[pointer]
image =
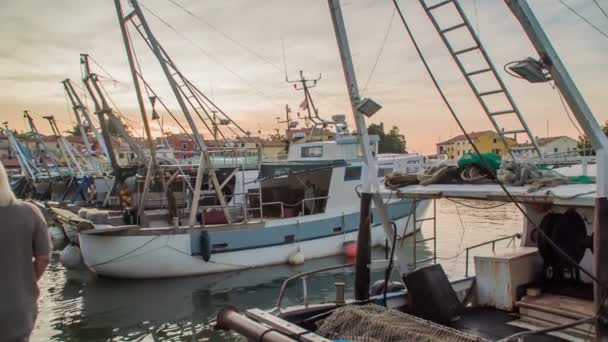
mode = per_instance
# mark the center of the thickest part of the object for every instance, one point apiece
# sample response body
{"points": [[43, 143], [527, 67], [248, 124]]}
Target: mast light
{"points": [[531, 70], [368, 107]]}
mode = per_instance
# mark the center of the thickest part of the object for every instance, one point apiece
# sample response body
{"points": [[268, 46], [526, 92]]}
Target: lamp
{"points": [[368, 107], [530, 69]]}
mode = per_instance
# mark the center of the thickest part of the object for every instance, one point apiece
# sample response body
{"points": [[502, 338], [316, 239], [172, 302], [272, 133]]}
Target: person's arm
{"points": [[41, 262], [41, 243]]}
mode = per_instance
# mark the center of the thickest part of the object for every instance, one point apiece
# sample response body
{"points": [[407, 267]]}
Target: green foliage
{"points": [[75, 131], [277, 137], [393, 142], [584, 145]]}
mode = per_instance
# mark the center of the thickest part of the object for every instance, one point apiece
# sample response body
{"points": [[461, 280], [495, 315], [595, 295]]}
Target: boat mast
{"points": [[100, 111], [166, 63], [39, 142], [551, 61], [66, 152], [24, 161], [369, 188], [79, 109]]}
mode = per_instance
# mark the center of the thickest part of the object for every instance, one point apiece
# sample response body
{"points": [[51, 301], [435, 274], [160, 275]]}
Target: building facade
{"points": [[485, 141], [559, 146]]}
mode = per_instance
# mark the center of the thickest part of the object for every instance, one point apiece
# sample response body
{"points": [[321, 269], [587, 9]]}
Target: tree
{"points": [[584, 145], [393, 142], [75, 131]]}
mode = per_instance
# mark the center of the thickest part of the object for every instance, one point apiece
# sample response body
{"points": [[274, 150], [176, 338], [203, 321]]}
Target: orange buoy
{"points": [[350, 249]]}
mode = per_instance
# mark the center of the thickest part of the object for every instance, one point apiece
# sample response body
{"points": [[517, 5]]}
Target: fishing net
{"points": [[371, 323], [492, 161]]}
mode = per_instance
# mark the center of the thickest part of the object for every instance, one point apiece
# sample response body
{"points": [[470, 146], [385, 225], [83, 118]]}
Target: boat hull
{"points": [[141, 256]]}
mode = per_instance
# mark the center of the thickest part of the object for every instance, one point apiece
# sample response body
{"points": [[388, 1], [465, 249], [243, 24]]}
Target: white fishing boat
{"points": [[238, 213], [289, 210]]}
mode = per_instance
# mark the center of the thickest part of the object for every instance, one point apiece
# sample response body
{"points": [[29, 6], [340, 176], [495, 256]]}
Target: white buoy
{"points": [[57, 237], [296, 258], [71, 258]]}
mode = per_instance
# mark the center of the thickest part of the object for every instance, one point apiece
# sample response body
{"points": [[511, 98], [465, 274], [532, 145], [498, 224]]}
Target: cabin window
{"points": [[352, 173], [555, 150], [385, 171], [312, 151], [121, 155], [184, 146]]}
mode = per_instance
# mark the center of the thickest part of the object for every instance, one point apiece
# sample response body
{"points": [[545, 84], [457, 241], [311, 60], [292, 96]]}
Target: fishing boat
{"points": [[552, 288], [298, 208], [237, 213]]}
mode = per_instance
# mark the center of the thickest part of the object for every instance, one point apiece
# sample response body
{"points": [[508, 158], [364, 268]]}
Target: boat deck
{"points": [[492, 324], [569, 194]]}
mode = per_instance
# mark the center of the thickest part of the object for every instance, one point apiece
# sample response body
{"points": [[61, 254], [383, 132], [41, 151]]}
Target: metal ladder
{"points": [[416, 220], [488, 69]]}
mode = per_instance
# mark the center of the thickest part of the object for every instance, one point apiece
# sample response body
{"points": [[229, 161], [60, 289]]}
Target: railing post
{"points": [[414, 232], [434, 231], [305, 291], [466, 267]]}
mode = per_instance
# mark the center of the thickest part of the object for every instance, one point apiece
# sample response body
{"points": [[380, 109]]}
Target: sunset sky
{"points": [[233, 51]]}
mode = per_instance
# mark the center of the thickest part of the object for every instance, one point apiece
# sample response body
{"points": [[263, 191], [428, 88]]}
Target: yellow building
{"points": [[486, 142]]}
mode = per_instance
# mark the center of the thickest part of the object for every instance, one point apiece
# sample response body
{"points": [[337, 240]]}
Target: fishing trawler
{"points": [[552, 288], [237, 213]]}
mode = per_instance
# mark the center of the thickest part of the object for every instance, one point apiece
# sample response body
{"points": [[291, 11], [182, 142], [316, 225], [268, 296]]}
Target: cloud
{"points": [[235, 48]]}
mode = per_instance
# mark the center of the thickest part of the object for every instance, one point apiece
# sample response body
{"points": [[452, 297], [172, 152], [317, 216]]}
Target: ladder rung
{"points": [[425, 219], [459, 52], [438, 5], [476, 72], [503, 112], [491, 92], [452, 28], [425, 240], [515, 131]]}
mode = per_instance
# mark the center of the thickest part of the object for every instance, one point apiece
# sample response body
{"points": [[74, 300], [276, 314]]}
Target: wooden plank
{"points": [[554, 319], [535, 326], [561, 305]]}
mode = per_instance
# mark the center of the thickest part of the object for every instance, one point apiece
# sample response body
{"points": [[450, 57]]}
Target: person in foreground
{"points": [[24, 255]]}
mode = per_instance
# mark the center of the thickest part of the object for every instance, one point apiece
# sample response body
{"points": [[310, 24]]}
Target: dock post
{"points": [[600, 249], [363, 258]]}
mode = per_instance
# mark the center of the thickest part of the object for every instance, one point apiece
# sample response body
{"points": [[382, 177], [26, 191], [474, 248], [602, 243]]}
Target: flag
{"points": [[304, 104]]}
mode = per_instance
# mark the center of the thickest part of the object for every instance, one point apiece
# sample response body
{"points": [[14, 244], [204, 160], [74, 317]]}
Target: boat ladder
{"points": [[416, 220], [488, 98]]}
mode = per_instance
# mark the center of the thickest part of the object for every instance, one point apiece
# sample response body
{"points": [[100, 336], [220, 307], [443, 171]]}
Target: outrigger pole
{"points": [[170, 70], [551, 61], [370, 184], [79, 109]]}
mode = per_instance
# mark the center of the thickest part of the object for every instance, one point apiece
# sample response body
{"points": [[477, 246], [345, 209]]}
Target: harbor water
{"points": [[77, 306]]}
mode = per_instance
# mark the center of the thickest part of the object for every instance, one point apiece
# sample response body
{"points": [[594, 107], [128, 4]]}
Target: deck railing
{"points": [[493, 243], [304, 276]]}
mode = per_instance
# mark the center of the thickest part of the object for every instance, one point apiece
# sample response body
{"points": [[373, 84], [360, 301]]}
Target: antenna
{"points": [[284, 58]]}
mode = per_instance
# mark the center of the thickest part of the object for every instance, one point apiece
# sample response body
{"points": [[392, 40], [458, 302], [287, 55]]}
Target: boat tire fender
{"points": [[205, 242]]}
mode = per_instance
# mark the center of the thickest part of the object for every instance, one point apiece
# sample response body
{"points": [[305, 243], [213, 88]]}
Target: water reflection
{"points": [[75, 306]]}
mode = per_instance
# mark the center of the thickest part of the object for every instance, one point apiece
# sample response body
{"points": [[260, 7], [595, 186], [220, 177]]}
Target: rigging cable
{"points": [[600, 7], [584, 19], [225, 35], [203, 51], [561, 99], [388, 31], [553, 245]]}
